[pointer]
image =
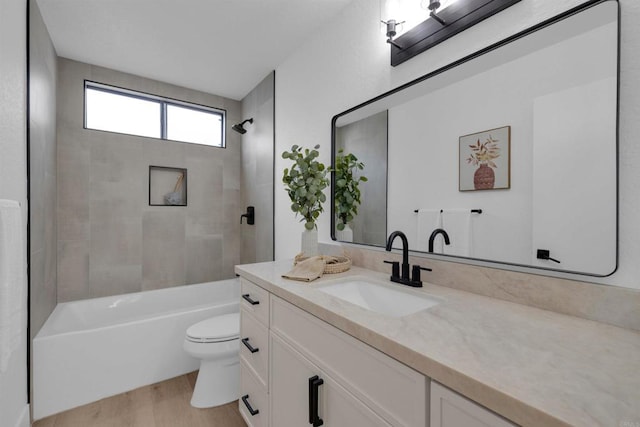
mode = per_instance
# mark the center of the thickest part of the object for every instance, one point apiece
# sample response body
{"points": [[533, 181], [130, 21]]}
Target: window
{"points": [[112, 109]]}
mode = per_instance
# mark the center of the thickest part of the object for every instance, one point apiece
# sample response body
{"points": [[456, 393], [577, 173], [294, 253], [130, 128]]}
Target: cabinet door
{"points": [[396, 393], [449, 409], [290, 373]]}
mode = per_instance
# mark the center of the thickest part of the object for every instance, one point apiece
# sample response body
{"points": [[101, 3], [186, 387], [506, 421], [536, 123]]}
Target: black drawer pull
{"points": [[249, 300], [314, 385], [245, 400], [252, 349]]}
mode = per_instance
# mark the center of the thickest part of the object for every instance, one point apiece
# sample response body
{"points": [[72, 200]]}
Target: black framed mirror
{"points": [[539, 110]]}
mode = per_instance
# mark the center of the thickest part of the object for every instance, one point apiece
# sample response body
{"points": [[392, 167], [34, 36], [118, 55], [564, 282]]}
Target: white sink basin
{"points": [[380, 298]]}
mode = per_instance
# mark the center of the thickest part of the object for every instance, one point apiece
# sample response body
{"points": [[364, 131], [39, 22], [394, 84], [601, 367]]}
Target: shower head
{"points": [[240, 126]]}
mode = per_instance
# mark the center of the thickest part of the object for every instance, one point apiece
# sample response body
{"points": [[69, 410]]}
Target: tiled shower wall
{"points": [[110, 241], [257, 171], [42, 162]]}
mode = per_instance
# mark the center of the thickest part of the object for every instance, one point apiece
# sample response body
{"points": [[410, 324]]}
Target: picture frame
{"points": [[485, 160]]}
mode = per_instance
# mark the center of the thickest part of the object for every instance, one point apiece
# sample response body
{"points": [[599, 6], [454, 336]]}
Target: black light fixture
{"points": [[240, 126], [391, 31], [433, 7], [446, 23]]}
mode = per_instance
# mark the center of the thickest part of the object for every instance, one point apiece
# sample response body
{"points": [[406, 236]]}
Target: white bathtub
{"points": [[91, 349]]}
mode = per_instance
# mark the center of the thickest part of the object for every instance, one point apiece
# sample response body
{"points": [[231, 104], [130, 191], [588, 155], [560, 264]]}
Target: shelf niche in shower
{"points": [[167, 186]]}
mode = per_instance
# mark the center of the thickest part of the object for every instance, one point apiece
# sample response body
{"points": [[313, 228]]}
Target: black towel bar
{"points": [[478, 211]]}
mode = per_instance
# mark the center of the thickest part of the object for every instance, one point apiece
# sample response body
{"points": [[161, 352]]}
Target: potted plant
{"points": [[347, 192], [483, 155], [304, 183]]}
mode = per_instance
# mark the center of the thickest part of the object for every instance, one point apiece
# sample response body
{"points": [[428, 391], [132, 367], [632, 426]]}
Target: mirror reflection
{"points": [[512, 153], [366, 140]]}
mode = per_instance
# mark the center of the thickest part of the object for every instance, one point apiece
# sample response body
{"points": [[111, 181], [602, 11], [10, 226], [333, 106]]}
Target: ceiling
{"points": [[223, 47]]}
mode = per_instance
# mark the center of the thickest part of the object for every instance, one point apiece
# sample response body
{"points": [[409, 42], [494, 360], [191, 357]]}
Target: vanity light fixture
{"points": [[433, 7], [446, 22], [391, 31]]}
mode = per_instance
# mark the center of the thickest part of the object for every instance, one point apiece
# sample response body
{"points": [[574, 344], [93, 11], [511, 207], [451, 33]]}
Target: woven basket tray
{"points": [[337, 264]]}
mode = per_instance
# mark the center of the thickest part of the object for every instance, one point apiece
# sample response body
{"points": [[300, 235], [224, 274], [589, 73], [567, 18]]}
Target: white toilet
{"points": [[216, 342]]}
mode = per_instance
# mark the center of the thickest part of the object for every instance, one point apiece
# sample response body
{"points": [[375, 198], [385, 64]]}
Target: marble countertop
{"points": [[532, 366]]}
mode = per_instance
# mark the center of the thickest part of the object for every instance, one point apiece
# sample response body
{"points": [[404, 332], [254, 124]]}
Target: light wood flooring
{"points": [[164, 404]]}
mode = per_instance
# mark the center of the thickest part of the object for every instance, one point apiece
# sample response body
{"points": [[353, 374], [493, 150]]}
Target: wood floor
{"points": [[164, 404]]}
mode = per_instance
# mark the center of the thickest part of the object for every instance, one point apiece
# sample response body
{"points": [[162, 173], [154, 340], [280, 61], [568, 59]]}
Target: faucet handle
{"points": [[395, 268], [415, 274]]}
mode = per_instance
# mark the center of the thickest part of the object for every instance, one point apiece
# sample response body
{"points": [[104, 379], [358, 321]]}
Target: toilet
{"points": [[215, 341]]}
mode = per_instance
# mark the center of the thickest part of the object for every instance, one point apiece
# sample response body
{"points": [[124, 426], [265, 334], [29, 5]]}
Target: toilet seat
{"points": [[215, 329]]}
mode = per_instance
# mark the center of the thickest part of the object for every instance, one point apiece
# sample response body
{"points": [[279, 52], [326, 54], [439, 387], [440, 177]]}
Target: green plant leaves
{"points": [[305, 182], [347, 192]]}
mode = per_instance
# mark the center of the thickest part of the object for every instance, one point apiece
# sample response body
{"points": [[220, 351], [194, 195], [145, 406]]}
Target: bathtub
{"points": [[91, 349]]}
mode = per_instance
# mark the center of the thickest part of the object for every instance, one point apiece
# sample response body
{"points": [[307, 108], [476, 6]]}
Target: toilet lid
{"points": [[220, 328]]}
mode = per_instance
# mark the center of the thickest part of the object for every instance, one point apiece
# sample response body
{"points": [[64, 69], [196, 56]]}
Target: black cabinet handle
{"points": [[314, 385], [245, 400], [249, 300], [252, 349]]}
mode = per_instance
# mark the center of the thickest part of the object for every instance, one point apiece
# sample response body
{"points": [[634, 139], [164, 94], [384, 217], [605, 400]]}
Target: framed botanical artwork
{"points": [[485, 160]]}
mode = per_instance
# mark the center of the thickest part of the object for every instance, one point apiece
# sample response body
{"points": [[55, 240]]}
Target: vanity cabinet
{"points": [[449, 409], [254, 354], [298, 370]]}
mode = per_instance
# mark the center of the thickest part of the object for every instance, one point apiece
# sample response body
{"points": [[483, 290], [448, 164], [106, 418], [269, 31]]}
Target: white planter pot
{"points": [[309, 243], [345, 235]]}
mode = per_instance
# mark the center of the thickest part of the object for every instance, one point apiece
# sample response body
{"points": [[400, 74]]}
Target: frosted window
{"points": [[113, 109], [197, 126], [123, 114]]}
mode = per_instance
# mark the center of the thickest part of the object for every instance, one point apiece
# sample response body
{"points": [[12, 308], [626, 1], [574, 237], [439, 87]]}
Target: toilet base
{"points": [[218, 383]]}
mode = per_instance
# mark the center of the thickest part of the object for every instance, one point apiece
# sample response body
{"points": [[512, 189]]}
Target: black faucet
{"points": [[395, 271], [433, 237]]}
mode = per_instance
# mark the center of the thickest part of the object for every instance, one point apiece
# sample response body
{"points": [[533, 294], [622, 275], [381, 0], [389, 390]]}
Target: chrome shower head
{"points": [[240, 126]]}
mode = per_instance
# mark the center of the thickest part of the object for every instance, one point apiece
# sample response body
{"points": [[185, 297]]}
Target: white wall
{"points": [[348, 63], [573, 203], [13, 181]]}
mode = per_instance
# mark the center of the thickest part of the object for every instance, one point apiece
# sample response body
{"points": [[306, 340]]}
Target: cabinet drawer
{"points": [[254, 345], [253, 397], [396, 392], [255, 300]]}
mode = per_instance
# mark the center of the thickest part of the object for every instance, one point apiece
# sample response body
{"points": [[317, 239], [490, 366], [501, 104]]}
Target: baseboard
{"points": [[24, 420]]}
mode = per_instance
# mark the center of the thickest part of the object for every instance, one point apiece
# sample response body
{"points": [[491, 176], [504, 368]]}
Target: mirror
{"points": [[511, 151]]}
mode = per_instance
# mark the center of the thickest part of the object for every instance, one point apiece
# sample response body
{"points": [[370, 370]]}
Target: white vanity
{"points": [[313, 358], [306, 369]]}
